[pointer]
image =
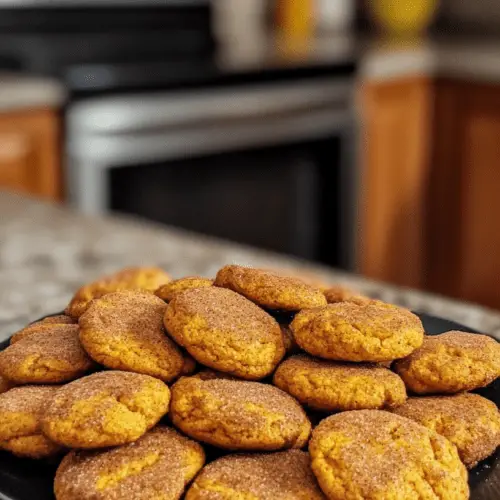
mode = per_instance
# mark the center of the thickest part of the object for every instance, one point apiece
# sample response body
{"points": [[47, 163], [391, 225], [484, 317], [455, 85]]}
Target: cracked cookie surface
{"points": [[238, 415], [285, 475], [226, 332], [375, 455], [451, 362], [156, 467], [20, 430], [469, 421], [346, 331], [333, 386], [53, 355], [269, 289], [124, 331], [133, 278], [105, 409]]}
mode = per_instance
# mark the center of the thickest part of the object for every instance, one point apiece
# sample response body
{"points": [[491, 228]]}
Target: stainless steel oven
{"points": [[266, 164]]}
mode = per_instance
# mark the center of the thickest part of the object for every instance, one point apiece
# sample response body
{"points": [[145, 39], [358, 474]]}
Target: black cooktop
{"points": [[166, 46]]}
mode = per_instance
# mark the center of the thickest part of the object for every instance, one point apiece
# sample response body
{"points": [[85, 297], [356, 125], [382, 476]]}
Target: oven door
{"points": [[250, 164]]}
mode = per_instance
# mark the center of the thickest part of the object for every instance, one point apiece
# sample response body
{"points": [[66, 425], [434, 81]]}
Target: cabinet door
{"points": [[465, 248], [396, 146], [30, 153]]}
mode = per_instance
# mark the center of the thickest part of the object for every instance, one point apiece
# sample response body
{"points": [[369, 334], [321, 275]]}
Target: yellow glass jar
{"points": [[403, 16], [296, 17]]}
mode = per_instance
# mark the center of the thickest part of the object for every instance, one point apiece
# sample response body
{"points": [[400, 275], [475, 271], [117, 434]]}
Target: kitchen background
{"points": [[362, 135]]}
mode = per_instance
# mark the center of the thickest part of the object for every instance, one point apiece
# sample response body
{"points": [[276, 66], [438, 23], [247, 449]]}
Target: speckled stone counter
{"points": [[46, 252]]}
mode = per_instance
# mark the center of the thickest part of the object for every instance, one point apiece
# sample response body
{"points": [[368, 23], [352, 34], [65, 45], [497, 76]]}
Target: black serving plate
{"points": [[22, 479]]}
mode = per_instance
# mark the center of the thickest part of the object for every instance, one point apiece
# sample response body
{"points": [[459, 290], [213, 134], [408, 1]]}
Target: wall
{"points": [[473, 13]]}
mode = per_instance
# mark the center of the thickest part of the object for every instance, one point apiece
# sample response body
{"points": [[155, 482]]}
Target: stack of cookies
{"points": [[206, 389]]}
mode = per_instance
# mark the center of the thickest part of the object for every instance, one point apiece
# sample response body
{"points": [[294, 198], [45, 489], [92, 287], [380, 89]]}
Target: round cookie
{"points": [[285, 475], [45, 325], [225, 331], [339, 293], [108, 408], [374, 454], [168, 291], [20, 412], [134, 278], [49, 356], [124, 331], [238, 415], [469, 421], [332, 386], [451, 362], [270, 290], [158, 465], [347, 331]]}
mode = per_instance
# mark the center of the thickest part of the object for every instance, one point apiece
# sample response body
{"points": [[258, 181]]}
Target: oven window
{"points": [[275, 198]]}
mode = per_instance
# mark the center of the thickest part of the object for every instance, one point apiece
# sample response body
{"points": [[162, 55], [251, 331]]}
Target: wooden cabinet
{"points": [[396, 137], [30, 153], [432, 187]]}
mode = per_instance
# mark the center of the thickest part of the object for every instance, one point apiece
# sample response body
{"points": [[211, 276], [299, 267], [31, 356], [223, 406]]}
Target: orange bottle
{"points": [[296, 17]]}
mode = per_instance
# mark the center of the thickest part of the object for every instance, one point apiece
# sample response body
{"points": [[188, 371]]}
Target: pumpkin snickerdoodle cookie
{"points": [[5, 384], [238, 415], [225, 331], [147, 279], [168, 291], [469, 421], [285, 475], [451, 362], [373, 454], [105, 409], [20, 412], [124, 331], [347, 331], [270, 290], [339, 293], [41, 326], [157, 466], [332, 386], [49, 356]]}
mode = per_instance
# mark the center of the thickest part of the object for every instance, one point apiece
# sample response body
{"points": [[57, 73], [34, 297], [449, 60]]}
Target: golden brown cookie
{"points": [[285, 475], [124, 331], [45, 325], [469, 421], [20, 412], [451, 362], [168, 291], [339, 293], [105, 409], [269, 289], [225, 331], [47, 357], [310, 278], [372, 454], [60, 319], [238, 415], [347, 331], [157, 466], [147, 279], [332, 386]]}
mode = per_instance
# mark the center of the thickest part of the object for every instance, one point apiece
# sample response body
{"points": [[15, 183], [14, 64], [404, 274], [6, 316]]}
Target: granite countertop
{"points": [[27, 92], [46, 252]]}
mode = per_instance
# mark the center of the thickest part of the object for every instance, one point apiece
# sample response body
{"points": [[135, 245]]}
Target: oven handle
{"points": [[118, 115]]}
